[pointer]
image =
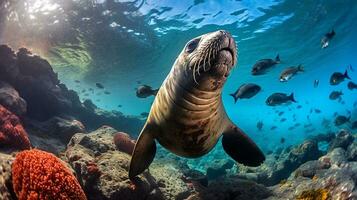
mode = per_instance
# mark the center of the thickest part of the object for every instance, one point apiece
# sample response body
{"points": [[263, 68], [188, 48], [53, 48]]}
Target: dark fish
{"points": [[351, 85], [335, 95], [107, 93], [279, 98], [335, 114], [119, 106], [316, 83], [273, 127], [144, 114], [311, 110], [144, 91], [297, 124], [354, 125], [289, 72], [340, 120], [299, 106], [138, 82], [83, 91], [283, 119], [355, 104], [291, 128], [260, 125], [308, 117], [99, 85], [337, 77], [246, 91], [342, 102], [86, 94], [261, 66], [77, 81], [281, 113], [317, 110], [326, 39], [282, 140]]}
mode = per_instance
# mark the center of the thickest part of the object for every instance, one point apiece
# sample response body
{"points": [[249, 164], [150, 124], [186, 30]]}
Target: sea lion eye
{"points": [[192, 45]]}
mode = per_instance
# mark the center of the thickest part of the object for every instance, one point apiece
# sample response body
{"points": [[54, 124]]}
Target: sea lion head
{"points": [[208, 59]]}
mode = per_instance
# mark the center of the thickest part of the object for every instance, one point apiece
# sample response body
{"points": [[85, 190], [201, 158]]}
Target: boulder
{"points": [[11, 99]]}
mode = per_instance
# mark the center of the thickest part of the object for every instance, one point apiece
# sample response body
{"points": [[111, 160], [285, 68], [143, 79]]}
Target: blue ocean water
{"points": [[119, 43]]}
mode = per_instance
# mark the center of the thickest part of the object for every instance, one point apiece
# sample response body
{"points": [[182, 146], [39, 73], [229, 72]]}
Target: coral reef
{"points": [[12, 134], [40, 175], [123, 142]]}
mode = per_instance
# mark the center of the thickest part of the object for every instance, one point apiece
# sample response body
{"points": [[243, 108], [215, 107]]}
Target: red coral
{"points": [[12, 133], [124, 143], [38, 175]]}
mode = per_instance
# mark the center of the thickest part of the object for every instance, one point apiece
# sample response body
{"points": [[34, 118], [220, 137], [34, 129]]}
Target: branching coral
{"points": [[12, 133], [38, 175]]}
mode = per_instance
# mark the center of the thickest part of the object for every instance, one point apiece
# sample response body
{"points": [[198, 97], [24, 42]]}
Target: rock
{"points": [[5, 177], [103, 171], [352, 152], [332, 176], [36, 82], [279, 167], [11, 100], [343, 139], [232, 188]]}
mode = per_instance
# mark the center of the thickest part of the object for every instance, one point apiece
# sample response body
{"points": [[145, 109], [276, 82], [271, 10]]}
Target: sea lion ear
{"points": [[241, 148], [144, 151]]}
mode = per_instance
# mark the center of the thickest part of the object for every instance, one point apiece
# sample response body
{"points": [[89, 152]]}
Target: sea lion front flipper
{"points": [[144, 152], [241, 148]]}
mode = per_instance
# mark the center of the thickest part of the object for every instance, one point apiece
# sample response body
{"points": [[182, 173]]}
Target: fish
{"points": [[77, 81], [316, 83], [337, 77], [335, 95], [355, 104], [282, 140], [99, 85], [289, 72], [297, 124], [311, 110], [144, 114], [325, 41], [335, 114], [246, 91], [273, 127], [263, 65], [317, 110], [281, 113], [279, 98], [340, 120], [119, 106], [86, 94], [107, 92], [299, 107], [260, 125], [351, 85], [138, 82], [310, 130], [291, 128], [83, 91], [282, 119], [145, 91]]}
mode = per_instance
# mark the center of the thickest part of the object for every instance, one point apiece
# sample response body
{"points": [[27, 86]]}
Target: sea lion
{"points": [[187, 116]]}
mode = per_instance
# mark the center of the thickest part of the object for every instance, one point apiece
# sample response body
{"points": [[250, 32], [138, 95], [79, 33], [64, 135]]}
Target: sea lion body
{"points": [[187, 116]]}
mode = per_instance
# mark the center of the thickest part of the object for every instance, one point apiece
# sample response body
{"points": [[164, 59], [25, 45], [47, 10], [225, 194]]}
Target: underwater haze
{"points": [[124, 44]]}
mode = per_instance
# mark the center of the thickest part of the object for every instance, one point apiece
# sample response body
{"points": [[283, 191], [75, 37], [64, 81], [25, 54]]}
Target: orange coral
{"points": [[38, 175], [12, 133]]}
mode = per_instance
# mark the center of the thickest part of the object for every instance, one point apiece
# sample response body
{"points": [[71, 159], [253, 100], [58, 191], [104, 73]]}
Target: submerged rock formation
{"points": [[30, 88]]}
